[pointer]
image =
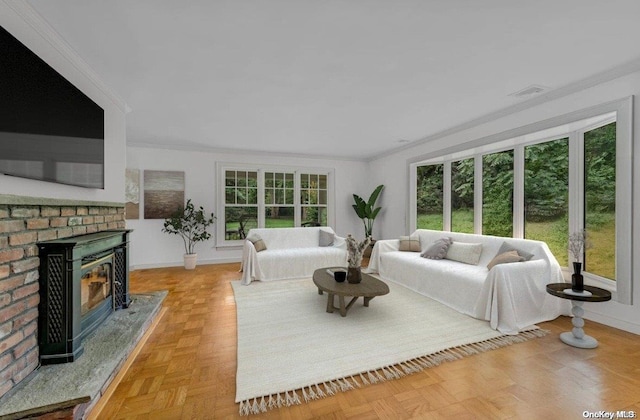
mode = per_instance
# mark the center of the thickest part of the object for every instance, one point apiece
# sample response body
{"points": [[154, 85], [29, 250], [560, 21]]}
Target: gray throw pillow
{"points": [[257, 242], [437, 250], [410, 243], [326, 238], [505, 258], [506, 248]]}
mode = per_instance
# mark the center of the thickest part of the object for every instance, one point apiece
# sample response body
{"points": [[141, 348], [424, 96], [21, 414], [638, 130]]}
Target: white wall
{"points": [[28, 28], [150, 247], [393, 171]]}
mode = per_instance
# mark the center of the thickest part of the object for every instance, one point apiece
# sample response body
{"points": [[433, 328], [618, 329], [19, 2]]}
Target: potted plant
{"points": [[367, 211], [191, 224]]}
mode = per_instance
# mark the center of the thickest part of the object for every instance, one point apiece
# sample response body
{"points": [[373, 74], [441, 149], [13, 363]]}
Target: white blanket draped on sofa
{"points": [[510, 296]]}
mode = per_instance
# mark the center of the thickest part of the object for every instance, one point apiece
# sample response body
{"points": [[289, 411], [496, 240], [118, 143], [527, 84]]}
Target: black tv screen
{"points": [[49, 129]]}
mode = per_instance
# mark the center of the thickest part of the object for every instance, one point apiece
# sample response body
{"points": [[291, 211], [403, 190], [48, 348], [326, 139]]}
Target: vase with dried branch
{"points": [[355, 251], [578, 244]]}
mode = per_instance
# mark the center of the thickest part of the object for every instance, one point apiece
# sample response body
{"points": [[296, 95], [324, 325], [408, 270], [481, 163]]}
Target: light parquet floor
{"points": [[186, 370]]}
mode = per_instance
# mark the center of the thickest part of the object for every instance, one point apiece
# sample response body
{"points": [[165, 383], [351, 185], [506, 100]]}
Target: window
{"points": [[429, 197], [269, 197], [462, 193], [278, 199], [313, 199], [546, 195], [543, 182], [240, 203], [497, 193], [600, 200]]}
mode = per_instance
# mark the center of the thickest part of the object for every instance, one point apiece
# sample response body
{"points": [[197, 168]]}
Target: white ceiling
{"points": [[347, 78]]}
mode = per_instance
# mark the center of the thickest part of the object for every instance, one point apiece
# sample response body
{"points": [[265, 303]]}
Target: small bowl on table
{"points": [[340, 276]]}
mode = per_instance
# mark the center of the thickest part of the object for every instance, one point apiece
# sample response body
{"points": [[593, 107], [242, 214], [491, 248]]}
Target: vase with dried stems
{"points": [[355, 251], [578, 244]]}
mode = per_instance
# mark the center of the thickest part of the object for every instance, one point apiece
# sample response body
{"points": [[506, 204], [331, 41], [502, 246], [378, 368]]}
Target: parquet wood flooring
{"points": [[186, 369]]}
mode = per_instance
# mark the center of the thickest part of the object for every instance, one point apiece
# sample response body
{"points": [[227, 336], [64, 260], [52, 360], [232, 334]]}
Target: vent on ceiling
{"points": [[530, 91]]}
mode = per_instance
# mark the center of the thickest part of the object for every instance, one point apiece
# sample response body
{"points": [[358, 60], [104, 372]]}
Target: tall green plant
{"points": [[366, 211], [191, 225]]}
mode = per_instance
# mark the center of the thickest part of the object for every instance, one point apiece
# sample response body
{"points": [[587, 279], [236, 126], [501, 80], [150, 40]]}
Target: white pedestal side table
{"points": [[577, 337]]}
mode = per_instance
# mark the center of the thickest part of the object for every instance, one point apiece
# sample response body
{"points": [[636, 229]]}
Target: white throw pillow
{"points": [[464, 253]]}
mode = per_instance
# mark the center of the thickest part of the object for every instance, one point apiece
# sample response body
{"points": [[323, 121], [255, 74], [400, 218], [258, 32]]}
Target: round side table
{"points": [[577, 337]]}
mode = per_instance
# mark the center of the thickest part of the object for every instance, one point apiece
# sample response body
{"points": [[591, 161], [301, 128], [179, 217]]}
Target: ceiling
{"points": [[349, 78]]}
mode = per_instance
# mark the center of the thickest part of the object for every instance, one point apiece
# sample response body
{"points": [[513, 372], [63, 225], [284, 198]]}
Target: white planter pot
{"points": [[190, 261]]}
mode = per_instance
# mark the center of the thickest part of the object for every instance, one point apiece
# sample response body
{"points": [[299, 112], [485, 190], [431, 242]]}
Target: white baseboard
{"points": [[180, 263], [620, 324]]}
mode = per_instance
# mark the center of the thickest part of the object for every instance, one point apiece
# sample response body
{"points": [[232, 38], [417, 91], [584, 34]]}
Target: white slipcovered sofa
{"points": [[290, 253], [510, 296]]}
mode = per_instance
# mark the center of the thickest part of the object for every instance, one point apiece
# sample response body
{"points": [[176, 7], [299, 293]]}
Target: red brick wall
{"points": [[21, 227]]}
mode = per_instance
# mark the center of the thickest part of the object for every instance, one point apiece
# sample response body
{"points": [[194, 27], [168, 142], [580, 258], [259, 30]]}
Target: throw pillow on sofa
{"points": [[257, 242], [437, 250], [410, 243], [506, 247], [464, 253], [326, 238], [505, 258]]}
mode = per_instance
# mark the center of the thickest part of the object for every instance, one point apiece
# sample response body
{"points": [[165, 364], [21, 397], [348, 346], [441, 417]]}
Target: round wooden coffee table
{"points": [[368, 288]]}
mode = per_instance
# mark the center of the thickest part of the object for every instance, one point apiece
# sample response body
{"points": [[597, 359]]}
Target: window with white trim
{"points": [[546, 195], [430, 196], [268, 197], [313, 199], [599, 200], [279, 207], [240, 203], [497, 193], [545, 185], [462, 194]]}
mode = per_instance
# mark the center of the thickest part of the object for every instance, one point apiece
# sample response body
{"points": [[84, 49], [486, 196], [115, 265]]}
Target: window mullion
{"points": [[477, 195], [261, 195], [412, 217], [576, 183], [297, 211], [518, 192], [446, 196]]}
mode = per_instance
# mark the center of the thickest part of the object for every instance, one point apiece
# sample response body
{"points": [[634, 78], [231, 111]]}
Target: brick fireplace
{"points": [[24, 222]]}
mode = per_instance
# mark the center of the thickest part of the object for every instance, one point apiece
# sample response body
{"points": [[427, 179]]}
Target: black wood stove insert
{"points": [[83, 279]]}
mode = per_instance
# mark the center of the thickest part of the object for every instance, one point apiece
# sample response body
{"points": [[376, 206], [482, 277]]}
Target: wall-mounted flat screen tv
{"points": [[49, 129]]}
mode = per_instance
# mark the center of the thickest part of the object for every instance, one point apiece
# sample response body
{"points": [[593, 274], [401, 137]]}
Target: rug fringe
{"points": [[312, 392]]}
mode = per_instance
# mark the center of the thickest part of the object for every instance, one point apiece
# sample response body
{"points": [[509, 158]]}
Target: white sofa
{"points": [[290, 253], [510, 296]]}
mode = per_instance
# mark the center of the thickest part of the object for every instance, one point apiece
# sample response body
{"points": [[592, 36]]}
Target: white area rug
{"points": [[290, 350]]}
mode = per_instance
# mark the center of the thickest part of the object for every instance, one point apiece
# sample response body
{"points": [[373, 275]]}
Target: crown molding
{"points": [[583, 84], [31, 17], [256, 152]]}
